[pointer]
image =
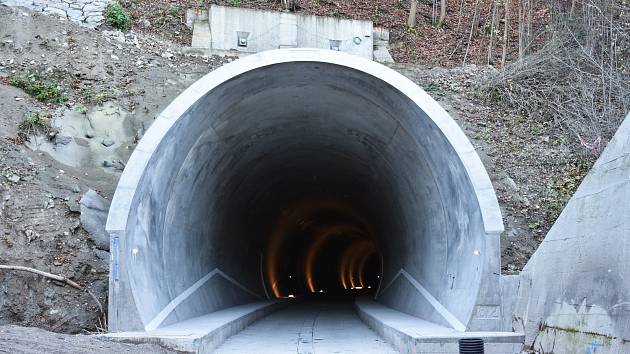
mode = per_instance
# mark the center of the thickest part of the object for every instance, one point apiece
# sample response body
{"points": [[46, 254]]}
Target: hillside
{"points": [[458, 41]]}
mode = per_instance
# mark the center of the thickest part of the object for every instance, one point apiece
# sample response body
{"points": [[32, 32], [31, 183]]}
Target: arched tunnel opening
{"points": [[300, 173]]}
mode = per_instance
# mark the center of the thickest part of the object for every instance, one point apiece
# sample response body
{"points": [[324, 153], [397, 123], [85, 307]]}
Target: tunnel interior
{"points": [[297, 179]]}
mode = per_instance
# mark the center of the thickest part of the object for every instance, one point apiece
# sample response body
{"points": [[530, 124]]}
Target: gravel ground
{"points": [[28, 340]]}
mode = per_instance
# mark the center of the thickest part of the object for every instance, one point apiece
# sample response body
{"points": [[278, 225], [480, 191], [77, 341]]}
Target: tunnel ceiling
{"points": [[295, 171]]}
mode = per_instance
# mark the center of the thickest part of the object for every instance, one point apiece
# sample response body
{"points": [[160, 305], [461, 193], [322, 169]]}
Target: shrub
{"points": [[32, 122], [118, 17], [39, 88]]}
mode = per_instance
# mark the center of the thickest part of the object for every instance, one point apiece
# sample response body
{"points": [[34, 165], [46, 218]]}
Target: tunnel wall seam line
{"points": [[170, 307], [443, 311]]}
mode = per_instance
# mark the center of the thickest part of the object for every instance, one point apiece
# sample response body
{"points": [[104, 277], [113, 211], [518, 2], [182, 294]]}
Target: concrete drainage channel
{"points": [[269, 170]]}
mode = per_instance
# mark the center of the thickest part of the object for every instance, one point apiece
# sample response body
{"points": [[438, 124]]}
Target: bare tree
{"points": [[473, 29], [440, 21], [492, 29], [524, 27], [506, 30], [290, 5], [573, 75], [413, 8]]}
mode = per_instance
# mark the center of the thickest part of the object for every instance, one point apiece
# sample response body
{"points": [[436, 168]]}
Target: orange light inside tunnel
{"points": [[353, 261], [361, 264], [300, 216], [362, 250], [320, 239]]}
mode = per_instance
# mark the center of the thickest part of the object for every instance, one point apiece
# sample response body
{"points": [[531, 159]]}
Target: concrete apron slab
{"points": [[410, 334], [205, 333]]}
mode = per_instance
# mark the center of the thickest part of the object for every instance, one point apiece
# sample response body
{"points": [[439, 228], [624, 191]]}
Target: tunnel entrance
{"points": [[300, 173]]}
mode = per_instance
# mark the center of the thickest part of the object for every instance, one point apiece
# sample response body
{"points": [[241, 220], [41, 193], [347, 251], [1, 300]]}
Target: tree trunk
{"points": [[473, 26], [506, 30], [521, 30], [492, 25], [411, 21], [442, 13]]}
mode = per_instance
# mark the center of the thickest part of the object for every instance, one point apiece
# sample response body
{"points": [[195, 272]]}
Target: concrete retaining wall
{"points": [[574, 294], [86, 12], [272, 30]]}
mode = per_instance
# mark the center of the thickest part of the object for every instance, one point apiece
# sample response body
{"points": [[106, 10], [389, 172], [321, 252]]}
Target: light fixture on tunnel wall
{"points": [[241, 38]]}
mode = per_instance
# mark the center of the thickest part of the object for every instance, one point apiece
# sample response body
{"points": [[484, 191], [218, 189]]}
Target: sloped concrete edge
{"points": [[574, 293]]}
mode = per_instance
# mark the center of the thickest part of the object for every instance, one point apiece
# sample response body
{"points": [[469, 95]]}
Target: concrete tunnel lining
{"points": [[246, 141]]}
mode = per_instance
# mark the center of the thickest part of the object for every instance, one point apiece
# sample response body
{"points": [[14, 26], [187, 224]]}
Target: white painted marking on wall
{"points": [[443, 311], [160, 317]]}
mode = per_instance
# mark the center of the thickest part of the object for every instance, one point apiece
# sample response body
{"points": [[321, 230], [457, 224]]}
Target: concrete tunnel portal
{"points": [[300, 171]]}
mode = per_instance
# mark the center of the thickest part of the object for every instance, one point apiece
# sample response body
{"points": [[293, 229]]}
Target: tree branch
{"points": [[57, 278]]}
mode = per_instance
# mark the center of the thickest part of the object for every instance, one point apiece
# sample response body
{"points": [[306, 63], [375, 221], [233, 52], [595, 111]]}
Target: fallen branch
{"points": [[57, 278], [45, 274]]}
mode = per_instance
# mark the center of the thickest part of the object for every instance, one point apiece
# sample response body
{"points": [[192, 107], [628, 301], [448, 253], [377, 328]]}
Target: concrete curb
{"points": [[413, 335], [206, 333]]}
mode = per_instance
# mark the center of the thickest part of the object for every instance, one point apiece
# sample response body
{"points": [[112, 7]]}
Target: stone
{"points": [[94, 209], [108, 142], [55, 11], [62, 139], [75, 14], [13, 178], [58, 5], [74, 207], [94, 19], [92, 8], [117, 164]]}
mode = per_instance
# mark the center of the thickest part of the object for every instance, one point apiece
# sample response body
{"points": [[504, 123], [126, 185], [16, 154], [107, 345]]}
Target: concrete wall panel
{"points": [[574, 294]]}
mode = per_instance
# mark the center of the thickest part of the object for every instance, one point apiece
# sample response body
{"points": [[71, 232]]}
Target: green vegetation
{"points": [[31, 123], [235, 3], [95, 95], [174, 10], [36, 86], [483, 135], [117, 17], [79, 108]]}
